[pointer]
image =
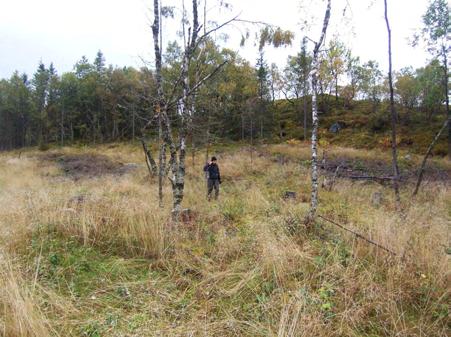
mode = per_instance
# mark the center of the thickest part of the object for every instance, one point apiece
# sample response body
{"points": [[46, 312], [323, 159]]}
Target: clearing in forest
{"points": [[96, 256]]}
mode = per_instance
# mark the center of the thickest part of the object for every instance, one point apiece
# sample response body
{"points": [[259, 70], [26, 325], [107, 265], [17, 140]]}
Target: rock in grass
{"points": [[289, 195]]}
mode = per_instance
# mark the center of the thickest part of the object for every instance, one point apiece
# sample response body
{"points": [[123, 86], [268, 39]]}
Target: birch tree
{"points": [[182, 103], [315, 122]]}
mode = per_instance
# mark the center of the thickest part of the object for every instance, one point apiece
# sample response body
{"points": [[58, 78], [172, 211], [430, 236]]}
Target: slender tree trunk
{"points": [[428, 153], [446, 79], [150, 162], [315, 122], [393, 114], [336, 88], [207, 148], [252, 141], [178, 167], [159, 101], [161, 166], [305, 116]]}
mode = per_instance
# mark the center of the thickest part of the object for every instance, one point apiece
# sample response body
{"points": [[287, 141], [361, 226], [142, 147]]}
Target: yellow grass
{"points": [[98, 257]]}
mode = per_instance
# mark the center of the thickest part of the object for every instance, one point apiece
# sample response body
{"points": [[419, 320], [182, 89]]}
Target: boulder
{"points": [[335, 128]]}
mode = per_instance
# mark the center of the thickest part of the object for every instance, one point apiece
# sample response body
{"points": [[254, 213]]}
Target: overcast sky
{"points": [[61, 31]]}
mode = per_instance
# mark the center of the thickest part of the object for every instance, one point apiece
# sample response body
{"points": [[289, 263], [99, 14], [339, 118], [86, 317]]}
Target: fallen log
{"points": [[369, 178]]}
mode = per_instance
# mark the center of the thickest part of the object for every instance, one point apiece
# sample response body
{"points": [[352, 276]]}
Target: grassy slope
{"points": [[110, 264]]}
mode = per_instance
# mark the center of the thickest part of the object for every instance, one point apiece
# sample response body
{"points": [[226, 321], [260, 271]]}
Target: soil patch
{"points": [[87, 165]]}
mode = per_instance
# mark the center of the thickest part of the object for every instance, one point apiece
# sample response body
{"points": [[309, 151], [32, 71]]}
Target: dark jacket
{"points": [[213, 171]]}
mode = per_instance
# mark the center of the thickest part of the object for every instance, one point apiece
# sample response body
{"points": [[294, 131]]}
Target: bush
{"points": [[378, 122]]}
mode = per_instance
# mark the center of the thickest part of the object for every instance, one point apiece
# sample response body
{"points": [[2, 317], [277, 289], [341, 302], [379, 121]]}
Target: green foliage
{"points": [[91, 330], [431, 86], [408, 88], [436, 22]]}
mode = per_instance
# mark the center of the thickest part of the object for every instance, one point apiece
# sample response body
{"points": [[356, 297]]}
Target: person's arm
{"points": [[206, 167], [219, 175]]}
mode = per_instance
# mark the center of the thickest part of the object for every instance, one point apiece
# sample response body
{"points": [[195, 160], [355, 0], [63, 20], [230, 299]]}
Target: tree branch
{"points": [[200, 83], [360, 236]]}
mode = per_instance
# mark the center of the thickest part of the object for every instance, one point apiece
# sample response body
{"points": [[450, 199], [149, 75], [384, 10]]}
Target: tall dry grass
{"points": [[237, 268], [20, 311]]}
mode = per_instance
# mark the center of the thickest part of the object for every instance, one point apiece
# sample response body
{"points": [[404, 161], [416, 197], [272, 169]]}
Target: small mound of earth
{"points": [[88, 165]]}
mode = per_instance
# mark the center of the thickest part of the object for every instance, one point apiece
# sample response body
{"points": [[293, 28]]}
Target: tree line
{"points": [[96, 103]]}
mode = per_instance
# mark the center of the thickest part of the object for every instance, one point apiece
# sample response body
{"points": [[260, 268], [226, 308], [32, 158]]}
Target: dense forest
{"points": [[98, 103]]}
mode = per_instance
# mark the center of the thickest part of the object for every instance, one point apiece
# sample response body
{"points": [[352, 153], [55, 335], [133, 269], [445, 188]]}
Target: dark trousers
{"points": [[213, 184]]}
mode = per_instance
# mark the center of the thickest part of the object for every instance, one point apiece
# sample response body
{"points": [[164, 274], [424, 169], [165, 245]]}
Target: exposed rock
{"points": [[335, 128]]}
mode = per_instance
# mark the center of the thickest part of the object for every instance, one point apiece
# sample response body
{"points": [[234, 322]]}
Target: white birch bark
{"points": [[315, 122], [159, 101]]}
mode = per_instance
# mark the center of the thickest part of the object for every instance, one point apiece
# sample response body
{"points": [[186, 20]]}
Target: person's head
{"points": [[214, 160]]}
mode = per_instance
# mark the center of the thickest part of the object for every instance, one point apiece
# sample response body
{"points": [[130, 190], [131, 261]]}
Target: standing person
{"points": [[213, 178]]}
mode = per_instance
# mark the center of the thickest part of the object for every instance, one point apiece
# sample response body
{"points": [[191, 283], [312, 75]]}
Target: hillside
{"points": [[364, 125], [86, 251]]}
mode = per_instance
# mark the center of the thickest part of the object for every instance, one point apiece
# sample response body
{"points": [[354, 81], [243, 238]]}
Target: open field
{"points": [[86, 251]]}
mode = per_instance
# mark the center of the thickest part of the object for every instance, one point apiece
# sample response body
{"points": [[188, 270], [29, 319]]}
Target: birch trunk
{"points": [[161, 161], [315, 122], [445, 69], [305, 115], [159, 101], [178, 164]]}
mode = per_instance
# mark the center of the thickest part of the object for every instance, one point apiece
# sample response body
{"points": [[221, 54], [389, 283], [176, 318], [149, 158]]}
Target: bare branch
{"points": [[428, 153], [360, 236], [199, 84]]}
